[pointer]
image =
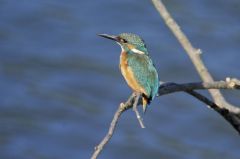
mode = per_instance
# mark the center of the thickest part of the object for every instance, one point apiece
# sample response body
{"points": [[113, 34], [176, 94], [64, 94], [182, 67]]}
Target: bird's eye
{"points": [[123, 40]]}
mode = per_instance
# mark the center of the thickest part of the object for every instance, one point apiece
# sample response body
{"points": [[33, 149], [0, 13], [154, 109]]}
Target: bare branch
{"points": [[233, 119], [139, 118], [194, 55], [229, 112], [108, 136], [170, 87], [122, 107]]}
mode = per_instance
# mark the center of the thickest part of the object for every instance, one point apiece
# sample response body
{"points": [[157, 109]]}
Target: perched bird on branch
{"points": [[136, 66]]}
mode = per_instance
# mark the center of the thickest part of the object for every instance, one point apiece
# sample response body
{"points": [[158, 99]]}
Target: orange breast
{"points": [[129, 75]]}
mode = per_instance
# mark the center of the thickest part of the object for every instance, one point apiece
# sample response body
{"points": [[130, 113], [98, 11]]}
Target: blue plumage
{"points": [[136, 66], [144, 72]]}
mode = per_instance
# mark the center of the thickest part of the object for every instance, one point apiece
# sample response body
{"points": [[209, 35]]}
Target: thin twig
{"points": [[194, 55], [122, 107], [170, 87], [233, 119], [140, 120], [229, 112], [108, 136]]}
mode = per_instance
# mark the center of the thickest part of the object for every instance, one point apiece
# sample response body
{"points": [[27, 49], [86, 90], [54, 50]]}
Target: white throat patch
{"points": [[133, 50], [137, 51], [120, 46]]}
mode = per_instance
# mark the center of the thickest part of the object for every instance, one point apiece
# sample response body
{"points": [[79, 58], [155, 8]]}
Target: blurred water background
{"points": [[60, 84]]}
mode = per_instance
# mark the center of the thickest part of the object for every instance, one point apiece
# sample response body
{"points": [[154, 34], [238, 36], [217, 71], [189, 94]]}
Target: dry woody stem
{"points": [[228, 111], [170, 87], [139, 118], [194, 54]]}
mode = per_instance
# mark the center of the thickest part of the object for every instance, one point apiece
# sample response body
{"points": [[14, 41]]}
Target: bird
{"points": [[136, 66]]}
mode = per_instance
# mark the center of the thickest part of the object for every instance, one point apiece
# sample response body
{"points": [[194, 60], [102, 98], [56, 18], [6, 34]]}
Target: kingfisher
{"points": [[136, 66]]}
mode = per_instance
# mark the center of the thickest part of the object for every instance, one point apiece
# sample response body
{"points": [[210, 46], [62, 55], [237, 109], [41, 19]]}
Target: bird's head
{"points": [[129, 42]]}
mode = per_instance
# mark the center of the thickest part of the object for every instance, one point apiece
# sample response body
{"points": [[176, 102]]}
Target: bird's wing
{"points": [[144, 72]]}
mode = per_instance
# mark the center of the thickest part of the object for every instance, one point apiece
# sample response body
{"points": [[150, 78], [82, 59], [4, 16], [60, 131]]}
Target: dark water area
{"points": [[60, 83]]}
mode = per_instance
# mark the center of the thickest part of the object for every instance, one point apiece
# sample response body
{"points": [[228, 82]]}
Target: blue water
{"points": [[60, 83]]}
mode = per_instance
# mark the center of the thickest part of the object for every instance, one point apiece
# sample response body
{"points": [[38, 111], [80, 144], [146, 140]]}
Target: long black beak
{"points": [[112, 37]]}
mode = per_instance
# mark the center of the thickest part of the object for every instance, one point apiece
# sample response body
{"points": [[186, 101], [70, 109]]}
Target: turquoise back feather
{"points": [[144, 72]]}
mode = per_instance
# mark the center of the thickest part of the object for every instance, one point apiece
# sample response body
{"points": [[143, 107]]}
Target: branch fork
{"points": [[228, 111]]}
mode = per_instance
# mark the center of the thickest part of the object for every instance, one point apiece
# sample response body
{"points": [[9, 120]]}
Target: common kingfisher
{"points": [[136, 66]]}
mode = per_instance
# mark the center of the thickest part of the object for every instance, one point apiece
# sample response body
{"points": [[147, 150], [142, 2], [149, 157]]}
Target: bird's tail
{"points": [[145, 102]]}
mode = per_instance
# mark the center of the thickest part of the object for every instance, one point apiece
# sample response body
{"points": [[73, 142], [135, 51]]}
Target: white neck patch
{"points": [[137, 51], [120, 46], [133, 50]]}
